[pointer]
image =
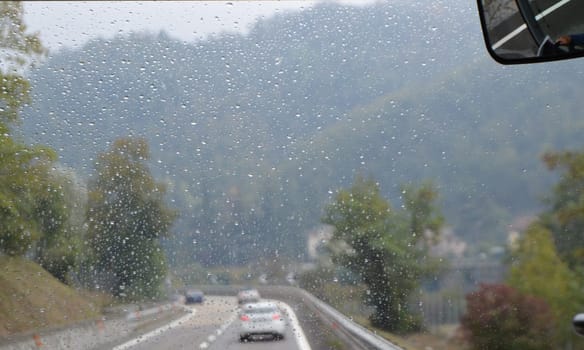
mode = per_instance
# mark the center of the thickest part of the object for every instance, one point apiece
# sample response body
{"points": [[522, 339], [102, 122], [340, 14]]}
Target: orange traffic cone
{"points": [[37, 340]]}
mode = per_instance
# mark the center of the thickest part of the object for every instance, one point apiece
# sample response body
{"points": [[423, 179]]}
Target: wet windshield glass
{"points": [[366, 159]]}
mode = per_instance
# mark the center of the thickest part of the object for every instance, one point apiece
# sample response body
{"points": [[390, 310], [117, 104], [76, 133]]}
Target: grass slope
{"points": [[31, 298]]}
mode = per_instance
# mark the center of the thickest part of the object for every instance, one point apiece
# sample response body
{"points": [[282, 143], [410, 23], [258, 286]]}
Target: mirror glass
{"points": [[520, 31]]}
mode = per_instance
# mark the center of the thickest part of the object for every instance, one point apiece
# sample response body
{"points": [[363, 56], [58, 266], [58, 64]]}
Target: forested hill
{"points": [[253, 133]]}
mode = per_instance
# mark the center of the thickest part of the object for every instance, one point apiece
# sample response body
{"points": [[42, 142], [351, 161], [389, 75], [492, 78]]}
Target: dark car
{"points": [[193, 296]]}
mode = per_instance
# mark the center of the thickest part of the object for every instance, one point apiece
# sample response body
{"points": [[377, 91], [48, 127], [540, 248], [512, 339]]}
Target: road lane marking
{"points": [[216, 333], [157, 331], [296, 329], [551, 9], [509, 36]]}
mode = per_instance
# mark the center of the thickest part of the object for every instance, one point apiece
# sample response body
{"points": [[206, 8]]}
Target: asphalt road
{"points": [[230, 341], [213, 325]]}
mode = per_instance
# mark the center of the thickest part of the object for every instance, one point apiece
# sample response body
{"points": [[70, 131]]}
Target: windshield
{"points": [[366, 159]]}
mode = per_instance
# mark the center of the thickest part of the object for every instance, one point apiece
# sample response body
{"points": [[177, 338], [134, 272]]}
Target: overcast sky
{"points": [[71, 24]]}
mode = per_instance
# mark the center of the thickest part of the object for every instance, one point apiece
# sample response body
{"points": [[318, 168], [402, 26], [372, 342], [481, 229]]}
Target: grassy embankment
{"points": [[32, 299]]}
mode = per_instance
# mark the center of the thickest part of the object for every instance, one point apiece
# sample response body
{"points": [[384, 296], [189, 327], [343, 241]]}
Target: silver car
{"points": [[261, 319]]}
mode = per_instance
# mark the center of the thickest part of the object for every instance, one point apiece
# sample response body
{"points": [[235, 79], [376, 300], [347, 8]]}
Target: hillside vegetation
{"points": [[31, 299]]}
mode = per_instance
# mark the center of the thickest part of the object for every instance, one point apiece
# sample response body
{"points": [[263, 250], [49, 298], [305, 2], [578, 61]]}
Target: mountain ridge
{"points": [[241, 127]]}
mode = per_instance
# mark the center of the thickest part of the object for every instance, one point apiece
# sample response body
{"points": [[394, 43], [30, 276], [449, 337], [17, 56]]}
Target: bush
{"points": [[500, 317]]}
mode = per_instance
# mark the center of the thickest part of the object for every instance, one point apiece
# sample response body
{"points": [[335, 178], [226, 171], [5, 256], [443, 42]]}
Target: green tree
{"points": [[425, 217], [538, 270], [381, 246], [19, 50], [22, 168], [57, 208], [23, 173], [127, 217], [565, 216]]}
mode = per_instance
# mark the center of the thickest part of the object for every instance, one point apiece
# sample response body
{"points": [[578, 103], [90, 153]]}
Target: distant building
{"points": [[516, 228], [449, 245], [317, 238]]}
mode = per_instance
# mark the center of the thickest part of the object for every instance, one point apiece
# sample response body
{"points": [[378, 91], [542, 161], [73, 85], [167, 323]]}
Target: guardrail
{"points": [[363, 336]]}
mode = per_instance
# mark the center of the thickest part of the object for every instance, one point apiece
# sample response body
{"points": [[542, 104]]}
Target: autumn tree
{"points": [[383, 247], [499, 317], [127, 217]]}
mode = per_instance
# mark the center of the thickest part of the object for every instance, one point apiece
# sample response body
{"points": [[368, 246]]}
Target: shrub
{"points": [[500, 317]]}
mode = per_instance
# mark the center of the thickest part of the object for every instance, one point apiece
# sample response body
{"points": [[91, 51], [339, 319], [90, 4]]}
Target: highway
{"points": [[311, 324], [211, 325]]}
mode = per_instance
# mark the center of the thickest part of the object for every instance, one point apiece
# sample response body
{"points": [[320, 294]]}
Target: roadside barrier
{"points": [[139, 314], [88, 334], [365, 338]]}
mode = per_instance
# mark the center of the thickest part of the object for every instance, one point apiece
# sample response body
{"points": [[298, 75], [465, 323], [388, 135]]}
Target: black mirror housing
{"points": [[578, 323]]}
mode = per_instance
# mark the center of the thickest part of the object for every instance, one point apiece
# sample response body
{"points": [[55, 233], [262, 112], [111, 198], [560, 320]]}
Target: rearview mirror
{"points": [[578, 323], [525, 31]]}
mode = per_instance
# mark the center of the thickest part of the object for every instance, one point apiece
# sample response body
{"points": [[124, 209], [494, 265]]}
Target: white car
{"points": [[261, 319]]}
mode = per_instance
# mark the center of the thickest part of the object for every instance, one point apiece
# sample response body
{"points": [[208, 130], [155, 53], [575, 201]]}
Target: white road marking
{"points": [[157, 331], [212, 337], [551, 9], [509, 36], [296, 329]]}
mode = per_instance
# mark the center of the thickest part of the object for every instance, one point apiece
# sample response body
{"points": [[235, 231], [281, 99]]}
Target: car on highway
{"points": [[194, 296], [248, 295], [258, 320]]}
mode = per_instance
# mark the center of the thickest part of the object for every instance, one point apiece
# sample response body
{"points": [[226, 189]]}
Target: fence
{"points": [[442, 300]]}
